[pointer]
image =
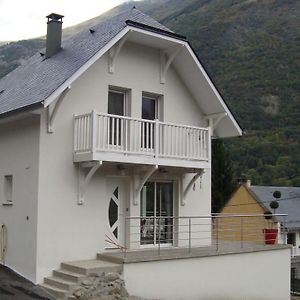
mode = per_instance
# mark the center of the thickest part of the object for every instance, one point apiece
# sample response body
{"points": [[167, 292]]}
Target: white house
{"points": [[105, 142]]}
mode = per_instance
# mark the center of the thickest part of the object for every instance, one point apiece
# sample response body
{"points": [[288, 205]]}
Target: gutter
{"points": [[28, 108]]}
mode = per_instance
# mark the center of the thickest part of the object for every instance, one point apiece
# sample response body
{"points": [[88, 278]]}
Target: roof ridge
{"points": [[274, 186]]}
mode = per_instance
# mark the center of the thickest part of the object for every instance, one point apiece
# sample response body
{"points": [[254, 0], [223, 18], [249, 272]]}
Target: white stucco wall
{"points": [[67, 231], [19, 144], [297, 247], [196, 203], [252, 276]]}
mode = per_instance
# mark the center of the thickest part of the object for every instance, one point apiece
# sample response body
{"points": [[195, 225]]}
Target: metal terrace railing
{"points": [[295, 251], [217, 232], [112, 134]]}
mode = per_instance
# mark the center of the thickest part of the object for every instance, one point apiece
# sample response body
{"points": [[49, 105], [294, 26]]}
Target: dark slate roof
{"points": [[289, 202], [34, 81]]}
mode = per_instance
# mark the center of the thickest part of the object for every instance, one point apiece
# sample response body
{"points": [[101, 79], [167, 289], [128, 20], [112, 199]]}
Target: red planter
{"points": [[270, 236]]}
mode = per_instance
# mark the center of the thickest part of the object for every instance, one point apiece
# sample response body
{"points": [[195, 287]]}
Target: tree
{"points": [[223, 183]]}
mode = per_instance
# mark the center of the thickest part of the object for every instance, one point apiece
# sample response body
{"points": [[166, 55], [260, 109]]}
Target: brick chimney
{"points": [[54, 32]]}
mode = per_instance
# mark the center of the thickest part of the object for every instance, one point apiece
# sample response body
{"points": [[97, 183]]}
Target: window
{"points": [[116, 103], [151, 110], [291, 238], [8, 188], [150, 107], [117, 106]]}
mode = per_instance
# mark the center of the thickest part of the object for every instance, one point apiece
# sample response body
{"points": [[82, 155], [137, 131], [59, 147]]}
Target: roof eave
{"points": [[21, 110]]}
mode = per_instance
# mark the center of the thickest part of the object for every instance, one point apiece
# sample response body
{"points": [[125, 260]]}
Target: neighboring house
{"points": [[251, 199], [289, 204], [105, 142], [244, 202]]}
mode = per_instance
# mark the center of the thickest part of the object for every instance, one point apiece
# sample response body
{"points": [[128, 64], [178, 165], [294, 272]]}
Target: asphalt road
{"points": [[15, 287]]}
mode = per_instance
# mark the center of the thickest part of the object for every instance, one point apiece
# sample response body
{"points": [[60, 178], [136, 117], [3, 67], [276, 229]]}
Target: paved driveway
{"points": [[15, 287]]}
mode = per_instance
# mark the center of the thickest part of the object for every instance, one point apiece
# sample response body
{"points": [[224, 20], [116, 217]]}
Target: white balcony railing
{"points": [[104, 133]]}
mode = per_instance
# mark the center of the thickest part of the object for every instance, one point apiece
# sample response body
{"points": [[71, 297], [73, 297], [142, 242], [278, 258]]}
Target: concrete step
{"points": [[94, 266], [60, 283], [109, 258], [55, 291], [69, 275], [64, 281]]}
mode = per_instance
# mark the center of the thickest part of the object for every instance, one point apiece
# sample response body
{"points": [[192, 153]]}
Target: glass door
{"points": [[157, 213], [149, 112], [116, 106]]}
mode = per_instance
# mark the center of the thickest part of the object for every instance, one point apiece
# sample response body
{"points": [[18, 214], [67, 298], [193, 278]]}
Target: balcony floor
{"points": [[139, 160]]}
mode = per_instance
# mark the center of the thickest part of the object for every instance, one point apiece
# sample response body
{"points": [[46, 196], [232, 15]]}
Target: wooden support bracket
{"points": [[142, 182], [83, 180], [52, 114], [165, 62], [190, 184], [114, 52], [214, 119]]}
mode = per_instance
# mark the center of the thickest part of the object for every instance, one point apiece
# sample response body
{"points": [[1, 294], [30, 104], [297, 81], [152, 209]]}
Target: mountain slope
{"points": [[250, 49]]}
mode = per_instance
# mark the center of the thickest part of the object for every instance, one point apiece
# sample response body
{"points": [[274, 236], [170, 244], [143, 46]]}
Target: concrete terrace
{"points": [[224, 248]]}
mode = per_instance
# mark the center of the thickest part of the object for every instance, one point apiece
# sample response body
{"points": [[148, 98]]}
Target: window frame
{"points": [[8, 187], [126, 92], [158, 106]]}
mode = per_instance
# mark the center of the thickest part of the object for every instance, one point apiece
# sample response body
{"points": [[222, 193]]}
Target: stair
{"points": [[65, 280]]}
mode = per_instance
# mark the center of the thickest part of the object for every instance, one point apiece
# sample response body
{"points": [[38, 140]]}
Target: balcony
{"points": [[112, 138]]}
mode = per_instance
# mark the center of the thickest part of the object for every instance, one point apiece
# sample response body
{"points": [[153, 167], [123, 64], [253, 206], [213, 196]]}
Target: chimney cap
{"points": [[55, 17]]}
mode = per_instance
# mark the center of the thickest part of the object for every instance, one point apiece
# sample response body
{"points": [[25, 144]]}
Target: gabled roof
{"points": [[289, 202], [38, 78], [39, 81]]}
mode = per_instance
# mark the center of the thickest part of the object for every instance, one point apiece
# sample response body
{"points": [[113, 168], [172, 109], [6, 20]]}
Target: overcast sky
{"points": [[23, 19]]}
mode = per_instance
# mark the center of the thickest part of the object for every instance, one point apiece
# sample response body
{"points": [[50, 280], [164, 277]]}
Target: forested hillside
{"points": [[250, 49]]}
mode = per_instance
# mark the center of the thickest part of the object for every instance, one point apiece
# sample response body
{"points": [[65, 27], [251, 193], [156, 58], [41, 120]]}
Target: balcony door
{"points": [[116, 106], [157, 205], [149, 112]]}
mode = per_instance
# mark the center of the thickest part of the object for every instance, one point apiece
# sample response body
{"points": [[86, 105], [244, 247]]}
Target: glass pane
{"points": [[149, 108], [149, 112], [116, 233], [113, 210], [157, 201], [115, 107], [116, 103], [164, 209], [147, 212]]}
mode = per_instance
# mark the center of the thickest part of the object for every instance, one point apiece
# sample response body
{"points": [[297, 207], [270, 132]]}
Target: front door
{"points": [[157, 207], [117, 197]]}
